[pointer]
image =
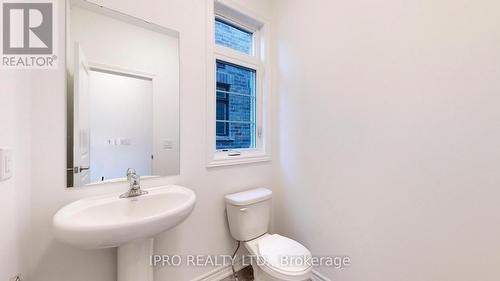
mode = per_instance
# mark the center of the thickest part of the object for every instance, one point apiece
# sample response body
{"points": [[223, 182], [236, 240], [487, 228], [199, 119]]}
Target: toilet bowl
{"points": [[273, 257], [281, 258]]}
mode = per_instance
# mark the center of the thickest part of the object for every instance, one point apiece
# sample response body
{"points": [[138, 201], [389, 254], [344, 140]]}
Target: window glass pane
{"points": [[235, 112], [233, 37]]}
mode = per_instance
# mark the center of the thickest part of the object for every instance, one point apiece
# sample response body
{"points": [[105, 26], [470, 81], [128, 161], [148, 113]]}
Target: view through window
{"points": [[236, 91]]}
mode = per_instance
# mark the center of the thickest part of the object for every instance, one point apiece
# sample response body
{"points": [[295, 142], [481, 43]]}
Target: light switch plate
{"points": [[6, 163], [168, 144]]}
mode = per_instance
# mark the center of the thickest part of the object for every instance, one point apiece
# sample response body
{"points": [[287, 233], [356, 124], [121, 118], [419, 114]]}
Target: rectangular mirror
{"points": [[123, 96]]}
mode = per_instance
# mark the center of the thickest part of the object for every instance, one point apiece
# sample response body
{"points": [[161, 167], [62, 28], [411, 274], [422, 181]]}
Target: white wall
{"points": [[15, 192], [390, 132], [205, 231]]}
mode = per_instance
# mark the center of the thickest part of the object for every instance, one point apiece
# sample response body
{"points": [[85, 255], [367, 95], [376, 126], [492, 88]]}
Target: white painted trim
{"points": [[243, 159], [226, 53], [240, 13], [319, 277], [103, 10], [225, 271], [220, 272], [121, 69]]}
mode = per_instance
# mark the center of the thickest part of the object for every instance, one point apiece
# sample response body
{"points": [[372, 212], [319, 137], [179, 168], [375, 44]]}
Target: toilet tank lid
{"points": [[249, 197]]}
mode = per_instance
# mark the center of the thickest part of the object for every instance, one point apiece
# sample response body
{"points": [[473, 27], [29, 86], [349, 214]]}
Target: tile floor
{"points": [[245, 274]]}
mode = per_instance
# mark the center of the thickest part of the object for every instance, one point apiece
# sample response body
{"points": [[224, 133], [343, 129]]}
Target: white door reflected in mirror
{"points": [[81, 130], [122, 125]]}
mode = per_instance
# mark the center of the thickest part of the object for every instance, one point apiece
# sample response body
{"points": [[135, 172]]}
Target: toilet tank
{"points": [[248, 213]]}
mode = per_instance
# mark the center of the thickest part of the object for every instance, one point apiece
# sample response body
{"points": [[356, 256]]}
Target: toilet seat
{"points": [[269, 249]]}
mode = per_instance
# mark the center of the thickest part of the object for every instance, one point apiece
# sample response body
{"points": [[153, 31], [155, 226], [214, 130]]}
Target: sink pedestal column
{"points": [[134, 261]]}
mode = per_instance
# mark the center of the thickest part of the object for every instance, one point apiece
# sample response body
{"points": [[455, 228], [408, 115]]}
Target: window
{"points": [[234, 37], [235, 106], [237, 125]]}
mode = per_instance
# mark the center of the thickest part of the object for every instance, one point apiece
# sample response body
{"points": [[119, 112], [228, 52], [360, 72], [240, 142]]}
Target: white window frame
{"points": [[231, 12]]}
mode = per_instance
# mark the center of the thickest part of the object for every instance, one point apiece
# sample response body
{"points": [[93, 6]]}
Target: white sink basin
{"points": [[110, 221]]}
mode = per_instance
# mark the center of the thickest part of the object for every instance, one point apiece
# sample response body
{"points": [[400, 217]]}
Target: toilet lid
{"points": [[284, 253]]}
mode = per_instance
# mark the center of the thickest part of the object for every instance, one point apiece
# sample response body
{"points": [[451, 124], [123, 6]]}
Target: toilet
{"points": [[273, 257]]}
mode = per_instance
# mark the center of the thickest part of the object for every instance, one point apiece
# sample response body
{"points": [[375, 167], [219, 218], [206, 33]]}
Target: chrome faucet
{"points": [[135, 186]]}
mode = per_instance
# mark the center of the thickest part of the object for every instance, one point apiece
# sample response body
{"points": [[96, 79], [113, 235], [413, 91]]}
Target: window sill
{"points": [[221, 159]]}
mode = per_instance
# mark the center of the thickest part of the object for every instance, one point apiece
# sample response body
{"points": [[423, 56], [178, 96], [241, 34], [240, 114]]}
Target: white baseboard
{"points": [[319, 277], [220, 272], [225, 271]]}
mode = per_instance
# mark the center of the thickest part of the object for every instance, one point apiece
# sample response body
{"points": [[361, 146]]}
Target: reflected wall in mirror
{"points": [[123, 96]]}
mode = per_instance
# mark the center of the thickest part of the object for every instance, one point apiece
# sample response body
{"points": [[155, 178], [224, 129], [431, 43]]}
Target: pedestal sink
{"points": [[127, 223]]}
